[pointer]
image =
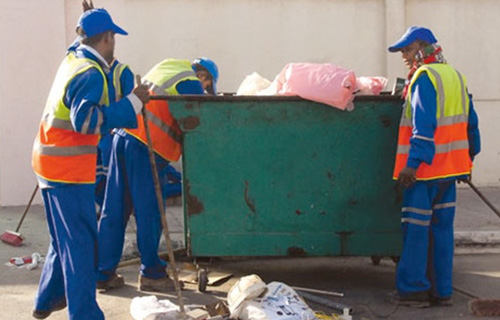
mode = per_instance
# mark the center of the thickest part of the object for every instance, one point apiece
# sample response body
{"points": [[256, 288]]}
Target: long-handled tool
{"points": [[477, 306], [14, 238], [488, 203], [161, 206]]}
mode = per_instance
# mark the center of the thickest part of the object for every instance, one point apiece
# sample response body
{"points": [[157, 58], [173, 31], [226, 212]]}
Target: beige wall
{"points": [[242, 36]]}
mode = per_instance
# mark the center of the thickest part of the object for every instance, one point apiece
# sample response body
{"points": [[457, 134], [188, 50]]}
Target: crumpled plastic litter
{"points": [[28, 262], [150, 308]]}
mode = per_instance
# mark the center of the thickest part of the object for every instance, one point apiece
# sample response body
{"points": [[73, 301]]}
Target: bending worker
{"points": [[64, 159], [130, 185], [438, 139]]}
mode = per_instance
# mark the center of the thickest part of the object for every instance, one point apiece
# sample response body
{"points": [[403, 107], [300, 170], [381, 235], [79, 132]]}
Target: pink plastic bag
{"points": [[324, 83], [370, 85]]}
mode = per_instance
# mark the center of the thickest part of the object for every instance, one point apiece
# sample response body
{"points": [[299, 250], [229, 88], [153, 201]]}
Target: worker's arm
{"points": [[422, 147], [473, 131], [190, 87], [127, 81], [423, 101], [87, 116]]}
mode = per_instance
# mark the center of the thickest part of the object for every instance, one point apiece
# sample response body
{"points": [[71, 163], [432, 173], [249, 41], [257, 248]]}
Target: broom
{"points": [[14, 238], [161, 206], [484, 307]]}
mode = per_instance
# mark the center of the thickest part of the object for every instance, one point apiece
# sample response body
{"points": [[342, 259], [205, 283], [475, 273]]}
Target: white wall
{"points": [[242, 36]]}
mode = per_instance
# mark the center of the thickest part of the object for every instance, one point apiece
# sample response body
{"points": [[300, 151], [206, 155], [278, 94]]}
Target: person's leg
{"points": [[50, 293], [75, 225], [146, 209], [441, 267], [114, 218], [411, 275]]}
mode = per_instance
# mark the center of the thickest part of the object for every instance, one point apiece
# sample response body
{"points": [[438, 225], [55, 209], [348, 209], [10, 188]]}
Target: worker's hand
{"points": [[141, 90], [87, 6], [407, 177]]}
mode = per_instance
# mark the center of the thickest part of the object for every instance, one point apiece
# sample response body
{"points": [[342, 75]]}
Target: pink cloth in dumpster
{"points": [[325, 83]]}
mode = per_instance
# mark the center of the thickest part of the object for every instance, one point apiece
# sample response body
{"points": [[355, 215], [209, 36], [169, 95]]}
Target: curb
{"points": [[467, 242]]}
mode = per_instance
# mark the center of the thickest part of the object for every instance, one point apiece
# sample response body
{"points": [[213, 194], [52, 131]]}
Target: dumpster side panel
{"points": [[274, 178]]}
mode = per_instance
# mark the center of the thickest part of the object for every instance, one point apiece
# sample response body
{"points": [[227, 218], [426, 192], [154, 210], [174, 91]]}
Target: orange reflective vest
{"points": [[451, 156], [60, 154], [165, 132]]}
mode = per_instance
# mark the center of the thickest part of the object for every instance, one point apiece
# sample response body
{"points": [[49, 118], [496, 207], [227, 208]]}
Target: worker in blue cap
{"points": [[77, 111], [130, 185], [120, 83], [438, 139]]}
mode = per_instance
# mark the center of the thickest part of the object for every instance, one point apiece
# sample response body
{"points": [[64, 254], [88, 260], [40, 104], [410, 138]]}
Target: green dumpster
{"points": [[283, 176]]}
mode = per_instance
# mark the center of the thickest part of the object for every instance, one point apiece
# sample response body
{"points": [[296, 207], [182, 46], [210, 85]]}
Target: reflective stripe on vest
{"points": [[117, 73], [165, 132], [451, 156], [60, 154]]}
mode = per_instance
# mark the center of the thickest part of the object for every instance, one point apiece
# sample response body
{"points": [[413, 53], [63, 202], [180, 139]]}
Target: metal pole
{"points": [[476, 190]]}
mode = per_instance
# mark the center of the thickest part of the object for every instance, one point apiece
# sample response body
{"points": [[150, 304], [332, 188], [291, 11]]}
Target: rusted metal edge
{"points": [[383, 97]]}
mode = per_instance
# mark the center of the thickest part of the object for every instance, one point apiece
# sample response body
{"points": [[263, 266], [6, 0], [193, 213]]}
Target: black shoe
{"points": [[114, 282], [413, 300], [441, 302], [41, 314]]}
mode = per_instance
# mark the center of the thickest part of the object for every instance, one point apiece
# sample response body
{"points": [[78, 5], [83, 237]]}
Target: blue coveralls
{"points": [[130, 187], [69, 272], [104, 147], [428, 211]]}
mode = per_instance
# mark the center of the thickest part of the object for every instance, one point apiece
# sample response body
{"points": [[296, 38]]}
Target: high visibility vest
{"points": [[60, 154], [165, 132], [117, 73], [451, 156]]}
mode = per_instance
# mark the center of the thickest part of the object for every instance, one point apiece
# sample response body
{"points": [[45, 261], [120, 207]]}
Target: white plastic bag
{"points": [[252, 84], [280, 302], [150, 308]]}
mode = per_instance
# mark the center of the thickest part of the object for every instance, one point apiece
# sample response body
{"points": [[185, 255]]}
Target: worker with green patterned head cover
{"points": [[438, 139]]}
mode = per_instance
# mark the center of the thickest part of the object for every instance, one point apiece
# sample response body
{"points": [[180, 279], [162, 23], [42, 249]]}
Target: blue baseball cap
{"points": [[413, 34], [97, 21]]}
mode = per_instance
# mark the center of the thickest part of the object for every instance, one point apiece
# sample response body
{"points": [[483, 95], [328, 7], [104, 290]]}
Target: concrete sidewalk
{"points": [[364, 285]]}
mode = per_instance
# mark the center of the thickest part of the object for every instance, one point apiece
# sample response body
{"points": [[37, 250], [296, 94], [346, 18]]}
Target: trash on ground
{"points": [[251, 299], [150, 308], [28, 262]]}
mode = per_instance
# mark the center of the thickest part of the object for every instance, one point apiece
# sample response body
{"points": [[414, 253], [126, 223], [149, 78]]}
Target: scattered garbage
{"points": [[249, 300], [150, 308], [28, 262]]}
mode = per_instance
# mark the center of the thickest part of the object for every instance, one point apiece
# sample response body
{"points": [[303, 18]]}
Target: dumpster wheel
{"points": [[376, 260], [202, 280]]}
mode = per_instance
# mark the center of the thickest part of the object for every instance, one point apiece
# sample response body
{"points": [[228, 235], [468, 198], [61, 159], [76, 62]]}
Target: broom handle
{"points": [[27, 208], [476, 190], [163, 216]]}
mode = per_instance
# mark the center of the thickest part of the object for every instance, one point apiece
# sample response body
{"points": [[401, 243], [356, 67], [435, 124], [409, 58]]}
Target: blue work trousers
{"points": [[69, 272], [426, 262], [130, 188]]}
